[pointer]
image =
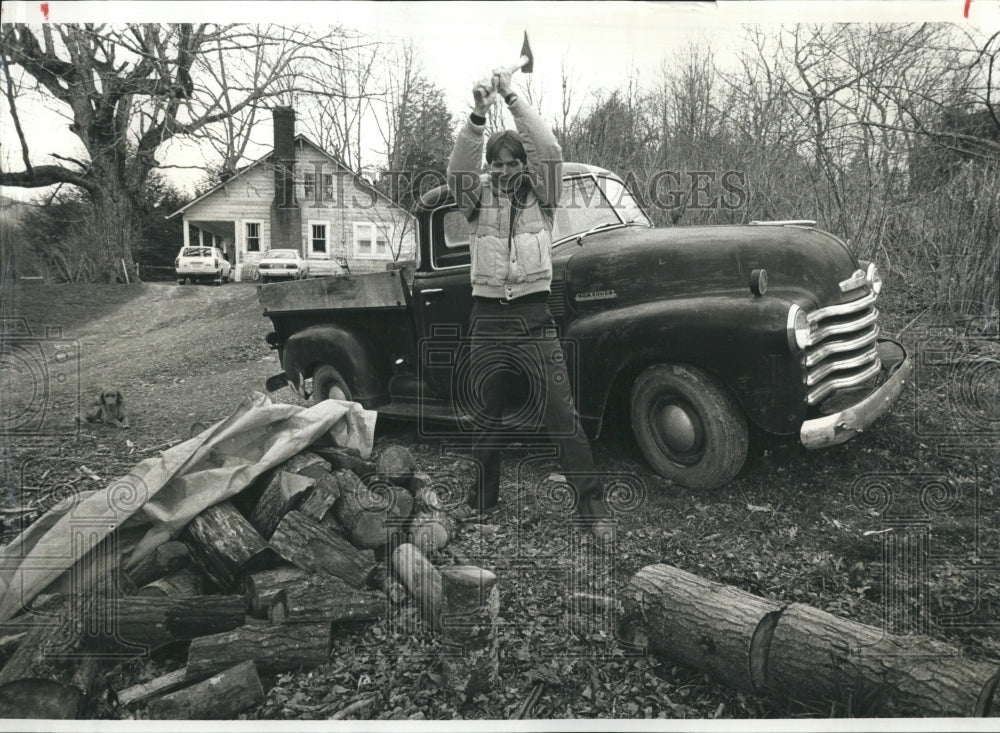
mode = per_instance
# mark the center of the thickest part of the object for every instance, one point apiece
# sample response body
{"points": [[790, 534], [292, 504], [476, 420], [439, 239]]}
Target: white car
{"points": [[202, 263], [284, 264]]}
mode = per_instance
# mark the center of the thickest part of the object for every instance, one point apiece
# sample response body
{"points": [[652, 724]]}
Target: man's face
{"points": [[505, 169]]}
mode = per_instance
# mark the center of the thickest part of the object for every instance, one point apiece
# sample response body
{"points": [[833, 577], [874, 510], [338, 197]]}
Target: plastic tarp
{"points": [[160, 495]]}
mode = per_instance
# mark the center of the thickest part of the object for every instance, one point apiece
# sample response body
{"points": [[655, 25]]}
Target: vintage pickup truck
{"points": [[696, 331]]}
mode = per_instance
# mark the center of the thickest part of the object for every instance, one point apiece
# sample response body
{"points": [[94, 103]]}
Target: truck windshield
{"points": [[590, 203]]}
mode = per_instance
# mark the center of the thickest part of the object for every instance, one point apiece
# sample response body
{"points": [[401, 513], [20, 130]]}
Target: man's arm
{"points": [[466, 161]]}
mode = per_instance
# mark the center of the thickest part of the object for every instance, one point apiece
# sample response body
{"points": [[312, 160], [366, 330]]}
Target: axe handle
{"points": [[519, 65]]}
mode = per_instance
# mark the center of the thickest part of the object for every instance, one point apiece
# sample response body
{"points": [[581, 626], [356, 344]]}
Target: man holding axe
{"points": [[512, 210]]}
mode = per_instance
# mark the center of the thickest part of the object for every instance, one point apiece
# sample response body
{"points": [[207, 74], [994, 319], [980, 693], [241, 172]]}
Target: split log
{"points": [[165, 559], [396, 464], [146, 690], [706, 625], [817, 656], [283, 493], [273, 649], [370, 513], [318, 500], [263, 586], [317, 599], [431, 527], [422, 580], [344, 458], [183, 582], [220, 697], [225, 545], [319, 549], [470, 604], [154, 622], [303, 461], [49, 676]]}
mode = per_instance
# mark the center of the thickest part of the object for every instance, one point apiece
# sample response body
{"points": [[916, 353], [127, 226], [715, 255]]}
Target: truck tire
{"points": [[328, 383], [688, 427]]}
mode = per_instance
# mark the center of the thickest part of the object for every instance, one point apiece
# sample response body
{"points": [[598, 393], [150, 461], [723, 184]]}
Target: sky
{"points": [[459, 42]]}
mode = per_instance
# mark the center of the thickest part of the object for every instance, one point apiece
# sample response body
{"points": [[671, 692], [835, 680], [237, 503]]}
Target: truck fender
{"points": [[351, 351], [705, 331]]}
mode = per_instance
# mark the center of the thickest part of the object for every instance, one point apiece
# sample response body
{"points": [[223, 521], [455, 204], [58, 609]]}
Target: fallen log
{"points": [[154, 622], [396, 464], [263, 586], [470, 605], [320, 498], [343, 458], [370, 513], [422, 580], [319, 549], [142, 692], [180, 583], [283, 493], [165, 559], [225, 545], [278, 648], [220, 697], [323, 599]]}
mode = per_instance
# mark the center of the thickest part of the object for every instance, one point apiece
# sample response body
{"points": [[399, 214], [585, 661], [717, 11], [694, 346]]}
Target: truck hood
{"points": [[637, 264]]}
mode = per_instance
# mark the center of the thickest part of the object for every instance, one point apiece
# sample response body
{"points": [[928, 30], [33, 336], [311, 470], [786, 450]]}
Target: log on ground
{"points": [[225, 545], [158, 686], [165, 559], [317, 548], [283, 493], [396, 464], [220, 697], [278, 648], [263, 586], [316, 502], [370, 514], [156, 621], [340, 458], [319, 598], [180, 583]]}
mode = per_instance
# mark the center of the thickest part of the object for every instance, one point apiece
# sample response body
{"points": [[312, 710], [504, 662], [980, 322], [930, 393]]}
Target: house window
{"points": [[308, 185], [370, 241], [328, 187], [253, 236], [317, 237]]}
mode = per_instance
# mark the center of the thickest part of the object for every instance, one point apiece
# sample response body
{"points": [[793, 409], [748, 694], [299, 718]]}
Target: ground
{"points": [[795, 525]]}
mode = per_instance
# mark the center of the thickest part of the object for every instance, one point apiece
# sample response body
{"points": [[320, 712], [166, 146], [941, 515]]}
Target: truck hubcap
{"points": [[679, 430]]}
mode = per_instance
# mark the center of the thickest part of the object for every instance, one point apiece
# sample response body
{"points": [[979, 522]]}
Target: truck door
{"points": [[442, 300]]}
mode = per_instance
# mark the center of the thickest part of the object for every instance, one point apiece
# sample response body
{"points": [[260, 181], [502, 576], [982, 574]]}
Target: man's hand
{"points": [[501, 81], [484, 96]]}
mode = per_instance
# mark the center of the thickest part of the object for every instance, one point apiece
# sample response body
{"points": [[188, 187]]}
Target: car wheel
{"points": [[688, 427], [327, 383]]}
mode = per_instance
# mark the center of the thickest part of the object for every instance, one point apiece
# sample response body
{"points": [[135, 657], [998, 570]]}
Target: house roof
{"points": [[300, 139]]}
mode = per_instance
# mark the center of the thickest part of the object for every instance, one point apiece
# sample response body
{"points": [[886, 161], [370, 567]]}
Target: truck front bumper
{"points": [[843, 425]]}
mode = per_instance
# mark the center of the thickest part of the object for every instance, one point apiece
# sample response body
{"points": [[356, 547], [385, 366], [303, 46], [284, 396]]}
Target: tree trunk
{"points": [[225, 545], [318, 598], [283, 493], [263, 586], [422, 580], [115, 224], [165, 559], [470, 604], [706, 625], [184, 582], [319, 549], [369, 513], [816, 656], [273, 649], [158, 621], [220, 697]]}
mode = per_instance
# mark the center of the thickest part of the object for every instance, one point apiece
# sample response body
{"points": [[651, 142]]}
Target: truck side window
{"points": [[450, 238]]}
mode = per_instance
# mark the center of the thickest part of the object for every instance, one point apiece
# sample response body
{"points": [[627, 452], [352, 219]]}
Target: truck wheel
{"points": [[688, 427], [327, 383]]}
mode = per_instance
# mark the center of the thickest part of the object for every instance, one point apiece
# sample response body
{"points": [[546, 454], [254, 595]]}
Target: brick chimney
{"points": [[286, 216]]}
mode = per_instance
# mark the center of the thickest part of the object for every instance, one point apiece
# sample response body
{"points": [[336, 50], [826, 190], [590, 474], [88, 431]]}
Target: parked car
{"points": [[286, 264], [202, 263], [696, 332]]}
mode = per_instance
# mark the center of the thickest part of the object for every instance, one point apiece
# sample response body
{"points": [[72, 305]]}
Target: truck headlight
{"points": [[798, 328], [873, 278]]}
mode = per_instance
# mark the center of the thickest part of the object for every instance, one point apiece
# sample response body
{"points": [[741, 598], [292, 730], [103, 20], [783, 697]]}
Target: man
{"points": [[511, 211]]}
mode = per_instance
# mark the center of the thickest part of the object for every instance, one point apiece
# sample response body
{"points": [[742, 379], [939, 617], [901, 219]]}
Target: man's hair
{"points": [[506, 140]]}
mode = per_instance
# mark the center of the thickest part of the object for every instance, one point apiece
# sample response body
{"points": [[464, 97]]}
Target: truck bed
{"points": [[381, 290]]}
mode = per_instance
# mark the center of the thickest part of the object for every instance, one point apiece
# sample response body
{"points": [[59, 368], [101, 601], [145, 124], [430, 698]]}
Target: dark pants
{"points": [[522, 339]]}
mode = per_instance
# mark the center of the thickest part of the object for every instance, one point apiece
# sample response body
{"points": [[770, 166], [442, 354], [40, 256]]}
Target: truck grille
{"points": [[842, 348]]}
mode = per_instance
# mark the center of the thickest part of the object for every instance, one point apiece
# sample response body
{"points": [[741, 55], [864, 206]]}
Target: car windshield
{"points": [[197, 252], [282, 254]]}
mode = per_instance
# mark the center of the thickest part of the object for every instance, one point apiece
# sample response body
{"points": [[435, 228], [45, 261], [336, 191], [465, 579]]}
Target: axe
{"points": [[527, 60]]}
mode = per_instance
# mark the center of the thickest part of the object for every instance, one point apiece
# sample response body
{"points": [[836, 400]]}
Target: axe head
{"points": [[527, 66]]}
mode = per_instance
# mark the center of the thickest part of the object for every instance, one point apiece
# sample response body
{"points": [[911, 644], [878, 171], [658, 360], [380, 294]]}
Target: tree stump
{"points": [[225, 545], [273, 649], [470, 604], [396, 464], [817, 656], [165, 559], [220, 697], [263, 586], [368, 513], [705, 625], [317, 548], [422, 580], [180, 583], [316, 598], [283, 493]]}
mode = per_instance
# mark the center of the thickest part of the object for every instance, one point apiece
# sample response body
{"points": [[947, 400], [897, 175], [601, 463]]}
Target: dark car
{"points": [[697, 331]]}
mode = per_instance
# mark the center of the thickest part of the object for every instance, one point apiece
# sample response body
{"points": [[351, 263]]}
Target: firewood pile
{"points": [[253, 586]]}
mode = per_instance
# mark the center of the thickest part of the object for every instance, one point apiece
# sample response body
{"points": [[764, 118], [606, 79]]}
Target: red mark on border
{"points": [[967, 4], [45, 9]]}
